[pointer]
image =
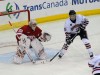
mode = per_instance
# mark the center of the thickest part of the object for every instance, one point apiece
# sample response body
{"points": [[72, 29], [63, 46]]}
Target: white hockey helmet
{"points": [[33, 24]]}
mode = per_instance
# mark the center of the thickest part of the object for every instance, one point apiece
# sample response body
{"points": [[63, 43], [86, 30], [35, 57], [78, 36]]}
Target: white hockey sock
{"points": [[88, 46], [90, 52], [64, 49], [62, 52]]}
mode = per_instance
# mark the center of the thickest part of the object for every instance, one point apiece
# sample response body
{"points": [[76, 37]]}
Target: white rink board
{"points": [[50, 7], [73, 63]]}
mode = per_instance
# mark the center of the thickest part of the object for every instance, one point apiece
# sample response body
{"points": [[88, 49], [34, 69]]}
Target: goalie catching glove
{"points": [[45, 37]]}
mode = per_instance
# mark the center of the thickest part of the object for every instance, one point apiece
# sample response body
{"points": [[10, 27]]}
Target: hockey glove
{"points": [[84, 24], [45, 37]]}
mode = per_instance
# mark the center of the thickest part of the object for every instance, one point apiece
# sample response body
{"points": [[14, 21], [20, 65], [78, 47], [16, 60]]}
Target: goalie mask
{"points": [[32, 24]]}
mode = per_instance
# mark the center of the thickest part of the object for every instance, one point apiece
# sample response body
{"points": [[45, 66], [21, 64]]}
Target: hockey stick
{"points": [[61, 49], [12, 26], [30, 57]]}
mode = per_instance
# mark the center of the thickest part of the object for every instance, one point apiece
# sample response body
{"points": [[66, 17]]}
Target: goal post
{"points": [[18, 18]]}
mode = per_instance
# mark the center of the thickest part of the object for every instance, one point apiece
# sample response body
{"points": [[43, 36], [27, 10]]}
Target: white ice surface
{"points": [[74, 62]]}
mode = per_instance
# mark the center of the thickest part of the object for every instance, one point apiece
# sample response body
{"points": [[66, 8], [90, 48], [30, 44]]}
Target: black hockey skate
{"points": [[91, 55], [60, 55]]}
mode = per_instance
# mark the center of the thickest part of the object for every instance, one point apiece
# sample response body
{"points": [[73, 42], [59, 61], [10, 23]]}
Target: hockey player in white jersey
{"points": [[74, 26], [94, 63], [30, 37]]}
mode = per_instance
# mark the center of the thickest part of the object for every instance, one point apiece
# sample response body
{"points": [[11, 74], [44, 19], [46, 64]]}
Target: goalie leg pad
{"points": [[42, 55], [38, 49], [19, 56], [24, 45], [24, 41], [17, 59]]}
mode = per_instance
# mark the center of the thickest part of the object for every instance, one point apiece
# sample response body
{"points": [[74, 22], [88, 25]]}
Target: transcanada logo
{"points": [[10, 8], [46, 5]]}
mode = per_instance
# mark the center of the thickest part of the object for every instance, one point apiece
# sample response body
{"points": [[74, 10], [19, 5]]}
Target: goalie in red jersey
{"points": [[30, 36]]}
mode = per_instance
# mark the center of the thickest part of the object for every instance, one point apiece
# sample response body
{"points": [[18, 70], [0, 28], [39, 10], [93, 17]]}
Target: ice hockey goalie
{"points": [[30, 36]]}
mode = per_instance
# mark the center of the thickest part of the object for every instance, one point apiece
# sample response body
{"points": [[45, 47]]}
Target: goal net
{"points": [[18, 18]]}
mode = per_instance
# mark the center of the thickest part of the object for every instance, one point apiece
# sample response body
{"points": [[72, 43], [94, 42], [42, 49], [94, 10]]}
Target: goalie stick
{"points": [[61, 49], [30, 57]]}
